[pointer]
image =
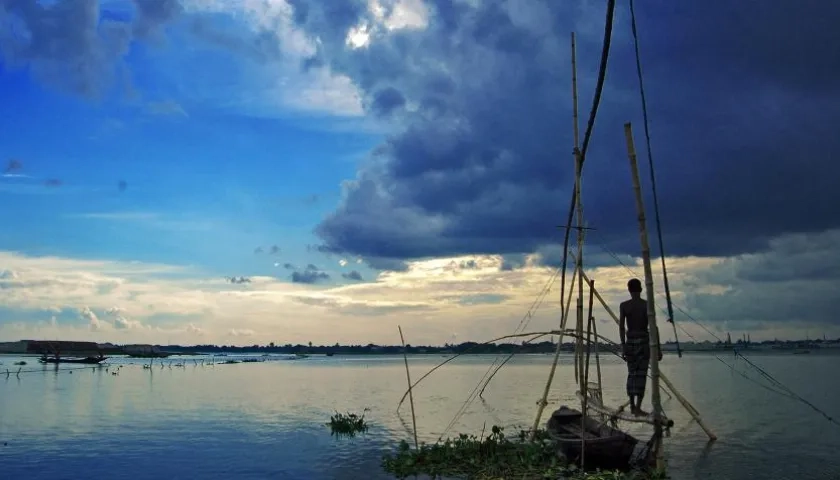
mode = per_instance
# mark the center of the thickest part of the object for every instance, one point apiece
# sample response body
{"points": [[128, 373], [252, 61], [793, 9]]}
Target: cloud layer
{"points": [[770, 294], [482, 162]]}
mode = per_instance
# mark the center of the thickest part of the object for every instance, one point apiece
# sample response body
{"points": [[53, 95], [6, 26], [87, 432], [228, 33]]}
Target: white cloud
{"points": [[281, 84], [432, 299]]}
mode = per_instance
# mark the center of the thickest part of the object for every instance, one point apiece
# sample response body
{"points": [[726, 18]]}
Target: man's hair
{"points": [[634, 285]]}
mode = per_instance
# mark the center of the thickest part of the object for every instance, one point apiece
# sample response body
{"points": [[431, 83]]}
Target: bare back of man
{"points": [[635, 343]]}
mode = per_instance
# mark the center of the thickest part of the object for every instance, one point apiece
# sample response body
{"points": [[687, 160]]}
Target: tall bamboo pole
{"points": [[651, 307], [543, 402]]}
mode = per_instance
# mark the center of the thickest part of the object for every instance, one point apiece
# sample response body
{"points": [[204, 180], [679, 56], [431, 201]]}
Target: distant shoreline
{"points": [[223, 353], [71, 348]]}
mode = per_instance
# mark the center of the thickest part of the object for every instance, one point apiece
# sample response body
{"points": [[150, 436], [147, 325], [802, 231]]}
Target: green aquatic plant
{"points": [[348, 424], [468, 456], [493, 457]]}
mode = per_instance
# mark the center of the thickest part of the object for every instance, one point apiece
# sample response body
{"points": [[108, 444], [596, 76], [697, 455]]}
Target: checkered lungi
{"points": [[637, 355]]}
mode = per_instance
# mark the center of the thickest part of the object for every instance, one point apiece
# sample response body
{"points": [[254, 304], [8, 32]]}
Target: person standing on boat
{"points": [[635, 344]]}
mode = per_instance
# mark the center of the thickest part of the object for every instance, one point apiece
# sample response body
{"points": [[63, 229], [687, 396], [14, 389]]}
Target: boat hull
{"points": [[88, 360], [605, 447]]}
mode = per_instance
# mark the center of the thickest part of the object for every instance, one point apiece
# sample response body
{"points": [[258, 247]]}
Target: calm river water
{"points": [[266, 420]]}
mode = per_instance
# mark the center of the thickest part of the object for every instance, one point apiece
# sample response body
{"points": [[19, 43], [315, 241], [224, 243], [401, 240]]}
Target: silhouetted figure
{"points": [[635, 344]]}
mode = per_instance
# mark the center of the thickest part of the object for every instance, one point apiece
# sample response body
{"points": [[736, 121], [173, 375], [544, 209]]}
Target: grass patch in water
{"points": [[494, 457], [348, 424]]}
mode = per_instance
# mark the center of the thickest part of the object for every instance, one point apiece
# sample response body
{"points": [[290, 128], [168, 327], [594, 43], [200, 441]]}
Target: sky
{"points": [[250, 171]]}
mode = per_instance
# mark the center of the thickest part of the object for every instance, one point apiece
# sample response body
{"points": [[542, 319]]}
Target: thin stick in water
{"points": [[410, 390]]}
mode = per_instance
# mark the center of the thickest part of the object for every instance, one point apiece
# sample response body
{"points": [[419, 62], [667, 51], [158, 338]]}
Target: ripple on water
{"points": [[266, 420]]}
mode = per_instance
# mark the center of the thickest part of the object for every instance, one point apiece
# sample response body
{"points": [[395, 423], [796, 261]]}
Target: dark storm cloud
{"points": [[353, 275], [794, 280], [310, 274], [742, 103], [72, 44]]}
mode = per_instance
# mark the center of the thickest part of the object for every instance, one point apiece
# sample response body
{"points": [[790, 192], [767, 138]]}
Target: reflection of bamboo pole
{"points": [[410, 390], [688, 407]]}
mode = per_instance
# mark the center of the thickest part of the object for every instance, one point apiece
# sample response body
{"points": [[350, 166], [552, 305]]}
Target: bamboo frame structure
{"points": [[695, 415], [651, 307]]}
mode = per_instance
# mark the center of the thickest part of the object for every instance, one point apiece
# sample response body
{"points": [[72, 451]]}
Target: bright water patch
{"points": [[266, 420]]}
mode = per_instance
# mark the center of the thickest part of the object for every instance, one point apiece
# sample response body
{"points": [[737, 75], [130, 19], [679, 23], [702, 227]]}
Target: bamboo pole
{"points": [[595, 331], [651, 307], [584, 366], [410, 390], [542, 403], [585, 389]]}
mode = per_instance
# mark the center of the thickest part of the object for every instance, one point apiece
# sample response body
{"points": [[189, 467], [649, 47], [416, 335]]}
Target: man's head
{"points": [[634, 286]]}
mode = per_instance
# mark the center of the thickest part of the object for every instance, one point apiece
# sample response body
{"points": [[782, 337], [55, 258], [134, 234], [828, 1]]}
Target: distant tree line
{"points": [[461, 348], [338, 349]]}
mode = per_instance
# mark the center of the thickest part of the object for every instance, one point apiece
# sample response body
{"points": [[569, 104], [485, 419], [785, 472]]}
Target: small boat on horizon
{"points": [[85, 360]]}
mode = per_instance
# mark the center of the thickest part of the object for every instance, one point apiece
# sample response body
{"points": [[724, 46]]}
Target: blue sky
{"points": [[205, 184], [371, 163]]}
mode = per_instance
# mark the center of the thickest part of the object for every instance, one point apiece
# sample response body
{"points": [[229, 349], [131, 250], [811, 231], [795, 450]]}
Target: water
{"points": [[266, 420]]}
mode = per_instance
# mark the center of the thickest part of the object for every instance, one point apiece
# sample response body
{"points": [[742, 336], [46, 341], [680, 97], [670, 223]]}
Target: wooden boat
{"points": [[85, 360], [606, 447]]}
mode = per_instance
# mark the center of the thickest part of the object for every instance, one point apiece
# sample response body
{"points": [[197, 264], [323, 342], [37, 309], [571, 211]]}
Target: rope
{"points": [[780, 388], [653, 176], [490, 373], [526, 318], [563, 313]]}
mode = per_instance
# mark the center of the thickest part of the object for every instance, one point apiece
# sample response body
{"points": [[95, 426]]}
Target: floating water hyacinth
{"points": [[348, 424]]}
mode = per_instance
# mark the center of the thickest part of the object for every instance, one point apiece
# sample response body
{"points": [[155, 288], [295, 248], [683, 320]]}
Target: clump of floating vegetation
{"points": [[348, 424], [493, 457]]}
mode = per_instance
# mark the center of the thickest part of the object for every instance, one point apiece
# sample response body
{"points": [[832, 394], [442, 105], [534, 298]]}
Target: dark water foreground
{"points": [[266, 420]]}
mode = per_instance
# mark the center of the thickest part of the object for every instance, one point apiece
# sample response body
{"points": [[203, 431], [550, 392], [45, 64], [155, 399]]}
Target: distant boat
{"points": [[606, 447], [86, 360], [330, 354], [301, 355]]}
